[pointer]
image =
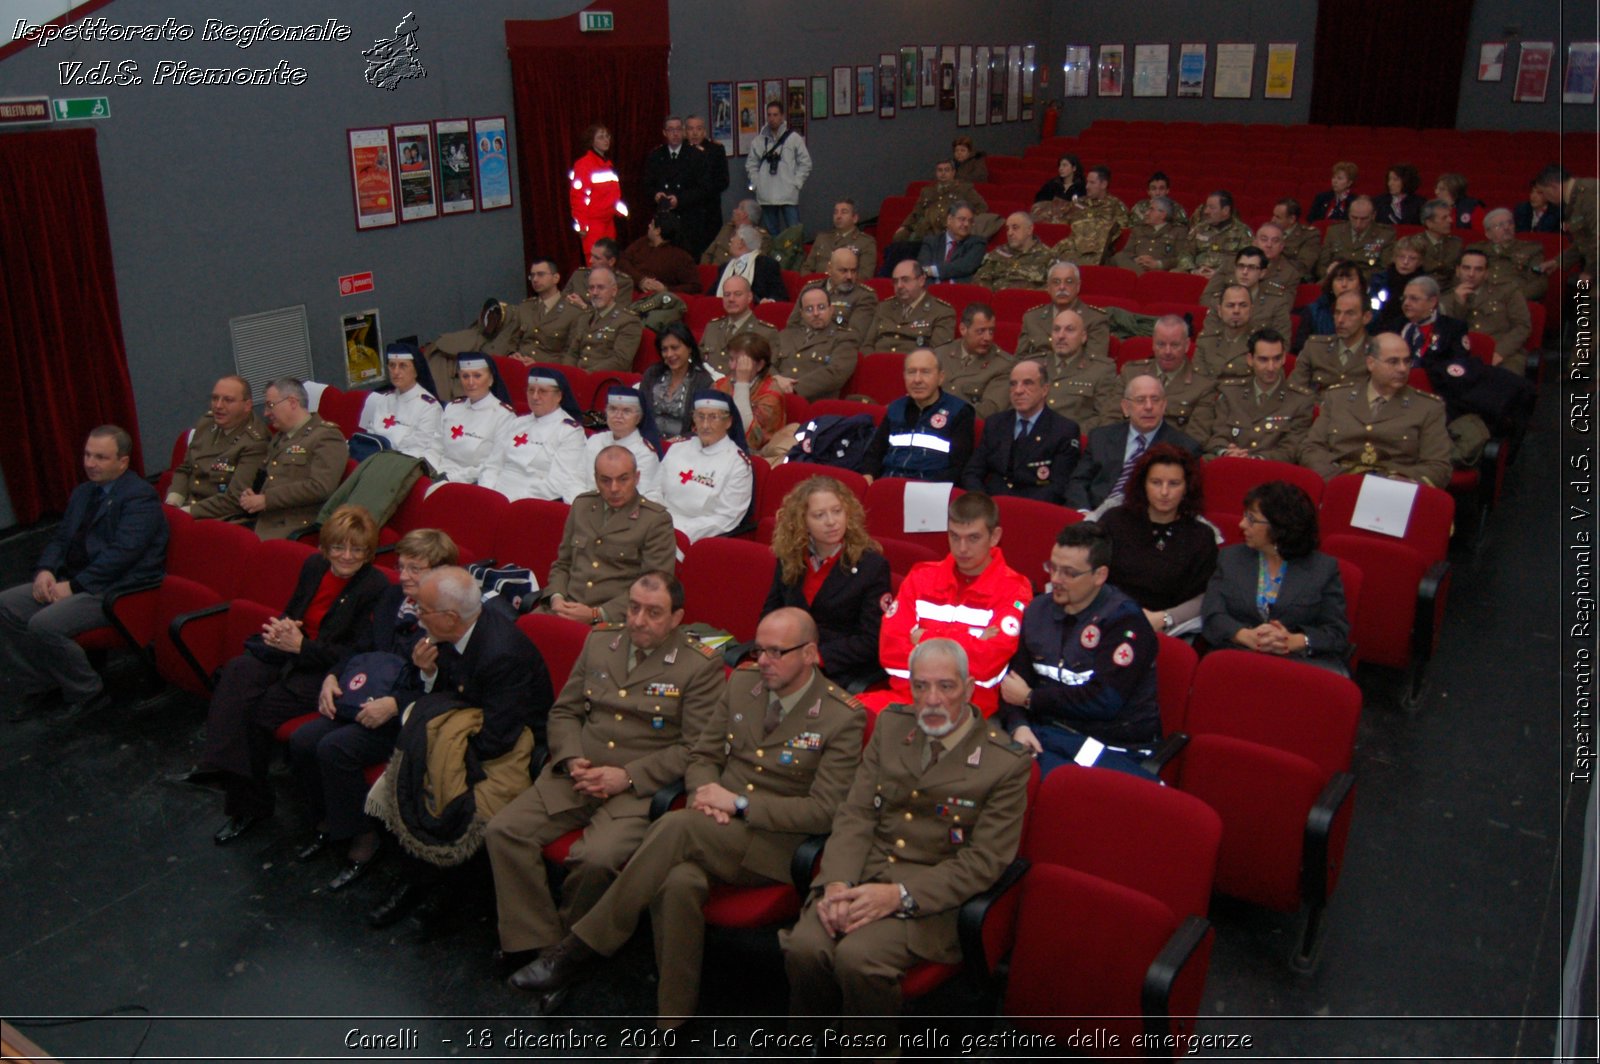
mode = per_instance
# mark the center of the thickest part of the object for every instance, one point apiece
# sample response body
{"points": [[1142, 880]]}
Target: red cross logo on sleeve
{"points": [[389, 421], [519, 440], [457, 431], [686, 476]]}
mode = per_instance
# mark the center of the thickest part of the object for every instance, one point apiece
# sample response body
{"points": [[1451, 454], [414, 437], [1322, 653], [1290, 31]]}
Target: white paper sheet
{"points": [[1384, 505], [926, 506]]}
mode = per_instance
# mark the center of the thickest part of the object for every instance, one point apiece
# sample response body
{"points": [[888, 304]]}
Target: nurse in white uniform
{"points": [[707, 481], [541, 454], [409, 414], [630, 425], [473, 420]]}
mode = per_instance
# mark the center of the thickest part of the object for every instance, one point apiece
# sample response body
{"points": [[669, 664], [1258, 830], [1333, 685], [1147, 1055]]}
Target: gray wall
{"points": [[1488, 104]]}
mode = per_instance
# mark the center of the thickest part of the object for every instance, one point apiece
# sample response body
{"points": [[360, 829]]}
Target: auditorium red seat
{"points": [[529, 533], [1160, 286], [847, 408], [1107, 281], [725, 584], [786, 476], [559, 640], [879, 376], [469, 513], [1227, 480], [1011, 303], [885, 504], [1030, 530]]}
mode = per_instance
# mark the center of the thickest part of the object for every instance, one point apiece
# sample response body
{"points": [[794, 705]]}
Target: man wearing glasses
{"points": [[305, 462], [1082, 686], [771, 769]]}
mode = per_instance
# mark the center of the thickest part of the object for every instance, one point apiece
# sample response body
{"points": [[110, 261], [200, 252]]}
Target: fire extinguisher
{"points": [[1052, 115]]}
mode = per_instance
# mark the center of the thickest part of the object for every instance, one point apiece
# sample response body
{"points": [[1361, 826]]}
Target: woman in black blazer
{"points": [[1276, 594], [279, 675], [1402, 205], [830, 567]]}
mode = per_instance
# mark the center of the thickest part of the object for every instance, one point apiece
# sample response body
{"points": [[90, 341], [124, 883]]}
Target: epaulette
{"points": [[707, 652], [1429, 395], [609, 626], [1091, 306], [427, 397], [1234, 382], [902, 708], [998, 737], [1300, 389], [935, 299], [458, 399], [846, 697], [745, 666], [1325, 338], [569, 421]]}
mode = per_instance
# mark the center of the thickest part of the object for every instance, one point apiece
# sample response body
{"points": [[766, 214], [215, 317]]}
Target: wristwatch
{"points": [[908, 904], [741, 805]]}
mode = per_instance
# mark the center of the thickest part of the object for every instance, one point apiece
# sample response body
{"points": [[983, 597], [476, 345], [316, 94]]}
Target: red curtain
{"points": [[559, 92], [1379, 63], [64, 368]]}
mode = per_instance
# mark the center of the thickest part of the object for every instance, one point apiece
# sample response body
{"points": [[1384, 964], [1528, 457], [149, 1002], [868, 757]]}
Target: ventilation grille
{"points": [[272, 344]]}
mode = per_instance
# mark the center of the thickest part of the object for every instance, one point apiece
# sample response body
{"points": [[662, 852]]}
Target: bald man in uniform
{"points": [[1021, 262], [305, 462], [853, 304], [1262, 416], [913, 318], [606, 338], [1220, 350], [1359, 238], [1156, 242], [975, 367], [1381, 425], [816, 357], [226, 448], [1191, 395], [1080, 386], [737, 318], [1063, 282]]}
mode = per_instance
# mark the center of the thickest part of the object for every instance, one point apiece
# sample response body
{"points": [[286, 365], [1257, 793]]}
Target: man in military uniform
{"points": [[1220, 350], [1159, 187], [953, 255], [851, 304], [1063, 282], [1441, 249], [494, 333], [1021, 262], [1027, 449], [305, 461], [771, 770], [737, 317], [913, 318], [1334, 361], [1359, 238], [1191, 395], [639, 696], [604, 253], [606, 337], [934, 816], [925, 434], [974, 367], [1580, 200], [1381, 424], [816, 357], [543, 322], [1302, 244], [933, 204], [1270, 301], [1263, 416], [1156, 242], [613, 534], [227, 446], [748, 212], [1096, 219], [1278, 268], [1081, 386], [846, 233], [1512, 260], [1496, 309], [1214, 239]]}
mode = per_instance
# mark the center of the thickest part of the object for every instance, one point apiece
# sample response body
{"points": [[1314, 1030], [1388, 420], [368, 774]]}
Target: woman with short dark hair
{"points": [[1165, 551], [669, 386]]}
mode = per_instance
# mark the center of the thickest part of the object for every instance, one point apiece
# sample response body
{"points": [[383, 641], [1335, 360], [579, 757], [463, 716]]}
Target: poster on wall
{"points": [[1533, 71], [1192, 70], [1150, 69], [452, 141], [964, 86], [819, 97], [1013, 82], [997, 84], [1030, 72], [494, 163], [844, 91], [888, 68], [1236, 65], [1109, 80], [1492, 61], [750, 118], [771, 89], [947, 78], [1280, 72], [1583, 57], [1075, 71], [866, 98], [980, 85], [909, 80], [413, 152], [372, 178], [362, 342], [929, 74], [797, 105], [720, 107]]}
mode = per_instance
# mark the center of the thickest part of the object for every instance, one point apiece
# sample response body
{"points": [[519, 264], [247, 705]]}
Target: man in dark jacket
{"points": [[709, 218], [675, 178], [1027, 449], [113, 538]]}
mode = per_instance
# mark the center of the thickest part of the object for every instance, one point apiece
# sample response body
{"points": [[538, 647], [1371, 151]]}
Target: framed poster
{"points": [[930, 75], [1533, 71], [1492, 61], [1192, 70], [797, 104], [844, 91], [1280, 72], [980, 85], [413, 153], [964, 85], [719, 106], [1236, 66], [1030, 73], [363, 340], [494, 163], [819, 97], [458, 182], [1013, 82], [372, 178], [1150, 69], [997, 84], [1583, 57], [1075, 71], [1109, 73], [908, 78], [771, 89], [748, 100], [947, 78], [888, 67], [866, 98]]}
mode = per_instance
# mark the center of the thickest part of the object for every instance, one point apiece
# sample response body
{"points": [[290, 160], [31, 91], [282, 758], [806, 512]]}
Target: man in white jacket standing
{"points": [[778, 164]]}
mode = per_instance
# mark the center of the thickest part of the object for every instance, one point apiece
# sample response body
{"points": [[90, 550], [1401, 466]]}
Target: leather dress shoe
{"points": [[507, 961], [211, 778], [318, 843], [92, 704], [354, 870], [236, 826], [396, 905], [555, 968]]}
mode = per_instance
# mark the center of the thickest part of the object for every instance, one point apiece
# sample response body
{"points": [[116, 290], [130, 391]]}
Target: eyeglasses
{"points": [[777, 652], [269, 404], [353, 550], [413, 569], [1062, 570]]}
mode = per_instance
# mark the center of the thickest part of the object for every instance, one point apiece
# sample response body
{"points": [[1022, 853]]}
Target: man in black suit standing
{"points": [[1114, 449], [715, 156], [1027, 450], [113, 538], [675, 180]]}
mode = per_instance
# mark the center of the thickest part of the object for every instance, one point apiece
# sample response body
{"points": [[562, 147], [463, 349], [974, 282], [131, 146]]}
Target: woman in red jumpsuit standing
{"points": [[596, 190]]}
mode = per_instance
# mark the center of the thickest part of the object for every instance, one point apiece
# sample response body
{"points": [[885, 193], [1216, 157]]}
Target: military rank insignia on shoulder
{"points": [[746, 666], [610, 626], [706, 651], [1300, 389], [942, 303], [1425, 395]]}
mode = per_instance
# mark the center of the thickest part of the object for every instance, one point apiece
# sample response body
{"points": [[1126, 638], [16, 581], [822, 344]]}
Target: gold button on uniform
{"points": [[908, 816], [899, 844], [611, 744]]}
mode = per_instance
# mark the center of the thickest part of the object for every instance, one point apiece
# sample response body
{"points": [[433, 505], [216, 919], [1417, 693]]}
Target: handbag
{"points": [[374, 674]]}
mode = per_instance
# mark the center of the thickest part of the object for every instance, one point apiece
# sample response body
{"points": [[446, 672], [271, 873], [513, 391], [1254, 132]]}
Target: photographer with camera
{"points": [[778, 164]]}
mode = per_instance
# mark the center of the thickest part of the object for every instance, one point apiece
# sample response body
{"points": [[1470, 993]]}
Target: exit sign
{"points": [[598, 22], [86, 107]]}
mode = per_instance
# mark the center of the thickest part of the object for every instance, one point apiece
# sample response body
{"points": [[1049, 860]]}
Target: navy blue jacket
{"points": [[933, 443], [1037, 466], [1101, 464], [127, 542], [959, 270]]}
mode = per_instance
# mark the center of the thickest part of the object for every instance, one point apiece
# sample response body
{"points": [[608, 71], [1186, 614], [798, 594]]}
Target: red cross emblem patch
{"points": [[457, 431], [519, 439], [686, 476], [389, 421]]}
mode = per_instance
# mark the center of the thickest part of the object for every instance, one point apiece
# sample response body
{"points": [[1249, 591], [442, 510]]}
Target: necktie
{"points": [[774, 717], [930, 755], [949, 248], [1413, 337], [1139, 444], [1024, 426]]}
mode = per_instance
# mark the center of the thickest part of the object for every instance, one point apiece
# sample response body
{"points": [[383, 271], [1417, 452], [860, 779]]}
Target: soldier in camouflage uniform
{"points": [[1097, 219], [1215, 239], [933, 203], [1021, 262]]}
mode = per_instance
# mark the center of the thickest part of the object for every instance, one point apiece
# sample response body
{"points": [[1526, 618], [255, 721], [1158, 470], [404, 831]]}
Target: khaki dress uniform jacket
{"points": [[544, 335], [896, 326], [605, 341], [1326, 363], [983, 382], [603, 551], [303, 467], [218, 466], [818, 361], [1274, 427], [852, 309], [1406, 437], [1516, 262], [1083, 388], [831, 240], [1037, 322], [721, 330]]}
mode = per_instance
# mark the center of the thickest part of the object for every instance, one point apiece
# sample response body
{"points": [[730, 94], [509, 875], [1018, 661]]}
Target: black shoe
{"points": [[210, 778], [24, 706], [236, 826], [507, 961], [396, 905], [318, 843], [92, 704], [354, 870], [556, 967]]}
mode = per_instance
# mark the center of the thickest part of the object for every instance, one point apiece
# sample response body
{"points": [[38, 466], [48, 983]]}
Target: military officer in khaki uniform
{"points": [[1264, 416], [305, 461], [1360, 238], [934, 202], [639, 696], [934, 816], [1220, 350], [1280, 269], [817, 356], [975, 367], [846, 233], [1496, 309], [604, 253], [1333, 361], [737, 318], [227, 446], [1156, 243], [612, 535], [772, 769], [494, 333], [1096, 218], [852, 304], [606, 337], [542, 325], [1381, 425], [1270, 302], [748, 212], [1440, 248], [1079, 385], [913, 318], [1580, 199], [1302, 244], [1021, 262], [1214, 240], [1063, 283], [1511, 260], [1191, 395]]}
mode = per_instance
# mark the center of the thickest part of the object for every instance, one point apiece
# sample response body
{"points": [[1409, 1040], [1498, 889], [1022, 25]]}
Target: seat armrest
{"points": [[1162, 755], [1319, 830], [175, 632], [1156, 994], [661, 801], [1428, 592], [974, 914]]}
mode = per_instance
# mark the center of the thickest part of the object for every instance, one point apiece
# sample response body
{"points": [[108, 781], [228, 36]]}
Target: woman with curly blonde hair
{"points": [[830, 567]]}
